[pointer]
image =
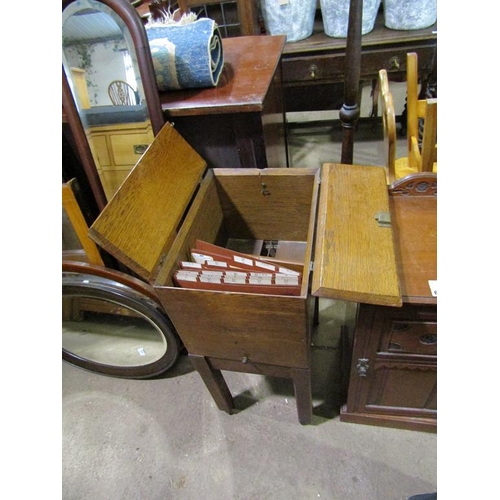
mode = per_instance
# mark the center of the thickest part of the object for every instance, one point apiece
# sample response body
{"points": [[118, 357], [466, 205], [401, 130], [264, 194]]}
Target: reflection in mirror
{"points": [[98, 51], [108, 332], [71, 246]]}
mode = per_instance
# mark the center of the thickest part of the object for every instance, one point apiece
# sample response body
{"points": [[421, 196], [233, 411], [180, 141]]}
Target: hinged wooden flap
{"points": [[140, 222], [354, 255]]}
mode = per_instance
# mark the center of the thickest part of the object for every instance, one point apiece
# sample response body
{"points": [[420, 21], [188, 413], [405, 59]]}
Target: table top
{"points": [[414, 223], [250, 64]]}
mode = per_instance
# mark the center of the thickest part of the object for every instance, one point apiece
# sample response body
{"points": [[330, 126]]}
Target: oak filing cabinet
{"points": [[170, 200]]}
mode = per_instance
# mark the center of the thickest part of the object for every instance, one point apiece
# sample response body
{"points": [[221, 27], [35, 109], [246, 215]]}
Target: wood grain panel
{"points": [[142, 218], [355, 257]]}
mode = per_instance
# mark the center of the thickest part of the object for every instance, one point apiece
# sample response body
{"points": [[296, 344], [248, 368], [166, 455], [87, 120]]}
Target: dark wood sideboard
{"points": [[393, 375], [314, 68]]}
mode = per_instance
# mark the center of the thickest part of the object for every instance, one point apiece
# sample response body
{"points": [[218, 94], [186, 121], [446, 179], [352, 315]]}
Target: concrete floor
{"points": [[164, 438]]}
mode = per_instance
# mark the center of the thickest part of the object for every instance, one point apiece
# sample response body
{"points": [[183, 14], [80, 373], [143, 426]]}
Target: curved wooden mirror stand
{"points": [[136, 38]]}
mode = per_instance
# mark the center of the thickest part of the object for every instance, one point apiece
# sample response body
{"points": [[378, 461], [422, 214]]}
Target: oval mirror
{"points": [[110, 328], [105, 331], [108, 69]]}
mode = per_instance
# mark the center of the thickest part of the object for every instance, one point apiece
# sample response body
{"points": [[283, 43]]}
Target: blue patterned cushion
{"points": [[186, 55]]}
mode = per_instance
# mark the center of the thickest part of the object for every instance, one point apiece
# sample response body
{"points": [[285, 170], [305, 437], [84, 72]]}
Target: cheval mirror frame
{"points": [[134, 23]]}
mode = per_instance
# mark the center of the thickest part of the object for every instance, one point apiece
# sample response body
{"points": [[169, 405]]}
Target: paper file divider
{"points": [[242, 260], [201, 262], [213, 261], [236, 281]]}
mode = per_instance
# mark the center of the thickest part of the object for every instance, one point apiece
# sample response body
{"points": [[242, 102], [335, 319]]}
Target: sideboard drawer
{"points": [[312, 68], [330, 67], [394, 61], [128, 148]]}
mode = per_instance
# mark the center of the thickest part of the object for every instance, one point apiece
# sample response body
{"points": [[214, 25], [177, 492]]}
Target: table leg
{"points": [[215, 383], [303, 394]]}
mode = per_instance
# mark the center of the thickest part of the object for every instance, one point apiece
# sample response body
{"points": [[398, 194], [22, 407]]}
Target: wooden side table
{"points": [[241, 122]]}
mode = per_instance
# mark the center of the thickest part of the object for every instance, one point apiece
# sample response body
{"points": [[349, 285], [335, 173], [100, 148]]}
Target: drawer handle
{"points": [[394, 63], [429, 339], [244, 360], [140, 149], [313, 69]]}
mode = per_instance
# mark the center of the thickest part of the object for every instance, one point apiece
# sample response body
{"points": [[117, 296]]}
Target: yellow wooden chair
{"points": [[418, 158]]}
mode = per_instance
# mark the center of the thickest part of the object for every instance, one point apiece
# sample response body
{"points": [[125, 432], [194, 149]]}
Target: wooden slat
{"points": [[412, 99], [354, 257], [429, 140], [80, 227]]}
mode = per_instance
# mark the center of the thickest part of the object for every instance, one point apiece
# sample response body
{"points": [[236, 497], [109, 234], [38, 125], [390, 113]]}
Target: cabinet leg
{"points": [[303, 394], [215, 383]]}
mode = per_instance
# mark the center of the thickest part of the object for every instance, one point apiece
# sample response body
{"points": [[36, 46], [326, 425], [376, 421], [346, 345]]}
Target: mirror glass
{"points": [[100, 64], [108, 332]]}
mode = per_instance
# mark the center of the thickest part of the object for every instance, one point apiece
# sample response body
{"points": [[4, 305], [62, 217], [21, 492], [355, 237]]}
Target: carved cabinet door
{"points": [[394, 364]]}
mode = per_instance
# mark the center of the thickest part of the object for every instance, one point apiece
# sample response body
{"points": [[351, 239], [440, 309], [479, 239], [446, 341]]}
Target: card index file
{"points": [[217, 268], [242, 260]]}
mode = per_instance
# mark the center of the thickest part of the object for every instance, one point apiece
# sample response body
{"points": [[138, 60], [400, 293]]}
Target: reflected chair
{"points": [[420, 157], [122, 94]]}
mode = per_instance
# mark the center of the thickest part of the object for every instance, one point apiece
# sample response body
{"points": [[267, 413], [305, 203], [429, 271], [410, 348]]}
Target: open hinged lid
{"points": [[354, 256], [140, 222]]}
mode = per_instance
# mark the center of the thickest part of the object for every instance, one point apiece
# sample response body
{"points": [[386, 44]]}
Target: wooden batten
{"points": [[354, 255]]}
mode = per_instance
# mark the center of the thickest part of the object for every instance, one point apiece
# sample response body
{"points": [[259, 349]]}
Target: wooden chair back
{"points": [[424, 157], [122, 94], [412, 107], [389, 126], [420, 158]]}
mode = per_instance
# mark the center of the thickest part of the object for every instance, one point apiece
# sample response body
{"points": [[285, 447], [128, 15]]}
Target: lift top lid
{"points": [[355, 258], [140, 222]]}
